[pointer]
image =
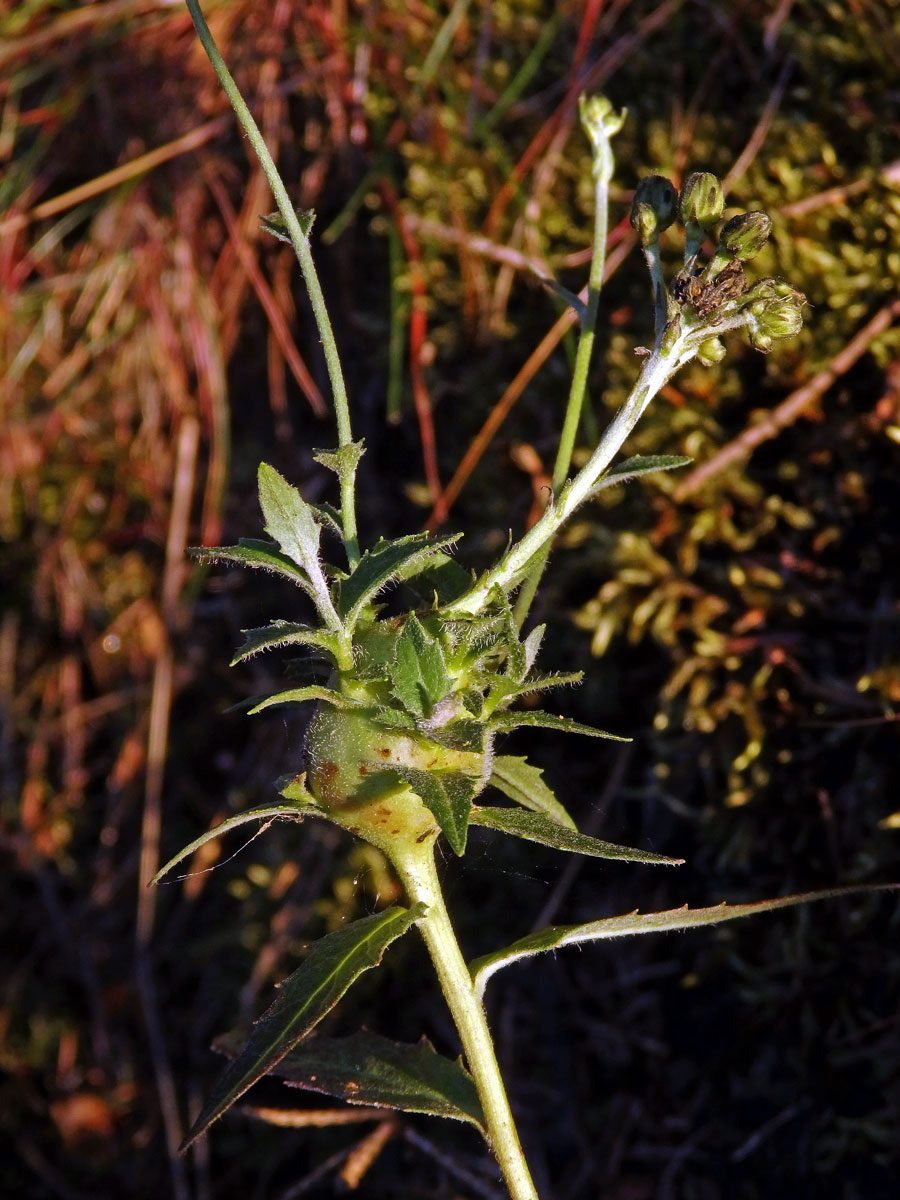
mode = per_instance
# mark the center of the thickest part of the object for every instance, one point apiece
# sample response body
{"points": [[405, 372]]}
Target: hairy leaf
{"points": [[640, 464], [285, 633], [302, 805], [389, 562], [537, 827], [274, 223], [333, 963], [344, 461], [368, 1069], [300, 695], [504, 722], [418, 672], [555, 936], [250, 552], [449, 796], [290, 521], [524, 783]]}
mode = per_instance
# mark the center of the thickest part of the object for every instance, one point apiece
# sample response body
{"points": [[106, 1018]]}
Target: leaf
{"points": [[532, 645], [252, 553], [565, 294], [300, 695], [328, 517], [522, 782], [448, 795], [344, 461], [290, 521], [275, 224], [504, 690], [368, 1069], [285, 633], [556, 936], [640, 464], [333, 963], [390, 561], [303, 805], [504, 722], [418, 672], [537, 827]]}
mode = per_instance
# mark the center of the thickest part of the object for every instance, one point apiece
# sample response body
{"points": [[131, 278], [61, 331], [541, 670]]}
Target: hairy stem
{"points": [[300, 242], [419, 876]]}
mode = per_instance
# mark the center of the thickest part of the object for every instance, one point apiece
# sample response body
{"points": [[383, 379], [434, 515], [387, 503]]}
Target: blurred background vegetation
{"points": [[741, 622]]}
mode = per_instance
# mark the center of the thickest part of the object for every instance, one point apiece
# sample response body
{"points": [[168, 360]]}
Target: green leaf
{"points": [[532, 645], [522, 782], [390, 561], [640, 464], [418, 672], [504, 690], [344, 461], [302, 694], [275, 224], [448, 795], [329, 518], [304, 998], [250, 552], [285, 633], [537, 827], [290, 521], [368, 1069], [303, 805], [504, 722], [565, 294], [555, 936]]}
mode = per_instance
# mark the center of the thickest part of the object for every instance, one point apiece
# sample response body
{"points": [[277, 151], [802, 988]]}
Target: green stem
{"points": [[300, 242], [419, 876], [578, 388]]}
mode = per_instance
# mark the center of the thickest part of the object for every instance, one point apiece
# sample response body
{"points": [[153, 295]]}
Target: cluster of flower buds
{"points": [[715, 297]]}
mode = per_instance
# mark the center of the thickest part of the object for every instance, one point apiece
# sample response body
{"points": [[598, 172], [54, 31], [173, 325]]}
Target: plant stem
{"points": [[300, 242], [419, 875], [578, 388], [671, 353]]}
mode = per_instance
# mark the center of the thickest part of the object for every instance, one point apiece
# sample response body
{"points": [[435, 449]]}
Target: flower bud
{"points": [[599, 119], [769, 320], [653, 208], [710, 352], [701, 201], [745, 235]]}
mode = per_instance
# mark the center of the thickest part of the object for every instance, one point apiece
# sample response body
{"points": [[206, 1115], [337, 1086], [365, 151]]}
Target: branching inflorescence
{"points": [[403, 740]]}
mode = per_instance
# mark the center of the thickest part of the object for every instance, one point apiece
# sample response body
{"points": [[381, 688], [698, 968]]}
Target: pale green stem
{"points": [[657, 279], [300, 243], [578, 388], [667, 358], [419, 876]]}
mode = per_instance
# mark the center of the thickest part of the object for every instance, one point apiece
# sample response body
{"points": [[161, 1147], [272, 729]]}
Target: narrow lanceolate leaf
{"points": [[504, 722], [290, 521], [302, 694], [285, 633], [504, 690], [368, 1069], [250, 552], [564, 294], [640, 464], [304, 998], [274, 223], [389, 562], [522, 782], [553, 937], [449, 796], [418, 672], [299, 807], [536, 827]]}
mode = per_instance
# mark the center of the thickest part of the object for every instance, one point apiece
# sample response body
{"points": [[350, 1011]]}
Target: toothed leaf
{"points": [[537, 827], [418, 672], [284, 633], [275, 224], [504, 722], [448, 795], [290, 521], [300, 695], [525, 784], [390, 562], [333, 963]]}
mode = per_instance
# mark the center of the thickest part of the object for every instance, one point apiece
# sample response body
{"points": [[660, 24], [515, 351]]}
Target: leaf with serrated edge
{"points": [[295, 811], [418, 672], [503, 690], [301, 695], [555, 936], [640, 464], [284, 633], [389, 562], [504, 722], [537, 827], [290, 521], [275, 224], [343, 461], [304, 998], [250, 552], [447, 794], [517, 778], [366, 1068]]}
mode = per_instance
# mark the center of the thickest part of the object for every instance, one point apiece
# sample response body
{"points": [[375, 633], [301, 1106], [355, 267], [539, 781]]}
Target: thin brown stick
{"points": [[758, 136], [303, 1118], [793, 407]]}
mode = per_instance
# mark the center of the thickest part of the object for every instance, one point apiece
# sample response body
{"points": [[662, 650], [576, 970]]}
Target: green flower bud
{"points": [[701, 201], [710, 352], [653, 208], [774, 311], [745, 235]]}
